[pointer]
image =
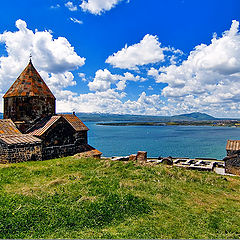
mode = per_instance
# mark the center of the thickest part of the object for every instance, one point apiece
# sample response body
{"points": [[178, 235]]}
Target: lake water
{"points": [[175, 141]]}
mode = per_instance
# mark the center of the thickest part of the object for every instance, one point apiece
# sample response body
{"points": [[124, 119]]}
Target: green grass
{"points": [[88, 198]]}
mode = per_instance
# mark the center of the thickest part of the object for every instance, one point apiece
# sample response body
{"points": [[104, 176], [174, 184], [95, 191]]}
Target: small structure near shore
{"points": [[232, 160], [141, 156], [31, 129]]}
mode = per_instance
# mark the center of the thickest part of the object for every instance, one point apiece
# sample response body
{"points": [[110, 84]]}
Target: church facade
{"points": [[31, 129]]}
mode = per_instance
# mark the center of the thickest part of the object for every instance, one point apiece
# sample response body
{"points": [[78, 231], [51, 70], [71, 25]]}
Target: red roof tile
{"points": [[75, 122], [18, 139], [233, 145], [29, 83], [41, 127], [8, 127]]}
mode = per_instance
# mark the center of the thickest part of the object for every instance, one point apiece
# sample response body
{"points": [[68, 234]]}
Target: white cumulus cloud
{"points": [[71, 6], [139, 54], [54, 58], [97, 7], [111, 101], [209, 78], [104, 79], [82, 76]]}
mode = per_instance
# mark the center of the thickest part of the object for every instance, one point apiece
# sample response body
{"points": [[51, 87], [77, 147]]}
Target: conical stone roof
{"points": [[29, 84]]}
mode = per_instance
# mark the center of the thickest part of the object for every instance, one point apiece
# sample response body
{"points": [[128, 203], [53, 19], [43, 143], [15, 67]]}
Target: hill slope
{"points": [[195, 116], [87, 198]]}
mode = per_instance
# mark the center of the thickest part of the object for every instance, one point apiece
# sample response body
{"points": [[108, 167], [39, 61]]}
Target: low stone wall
{"points": [[232, 164], [58, 151], [4, 155], [21, 153], [62, 151], [36, 152], [233, 170]]}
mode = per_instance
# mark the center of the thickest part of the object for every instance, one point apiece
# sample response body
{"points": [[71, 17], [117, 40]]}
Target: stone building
{"points": [[15, 146], [51, 131], [31, 129], [232, 160]]}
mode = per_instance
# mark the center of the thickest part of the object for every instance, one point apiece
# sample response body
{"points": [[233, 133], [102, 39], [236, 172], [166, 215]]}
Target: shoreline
{"points": [[173, 123]]}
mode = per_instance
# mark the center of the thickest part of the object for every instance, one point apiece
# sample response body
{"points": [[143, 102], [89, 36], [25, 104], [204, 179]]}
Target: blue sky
{"points": [[152, 57]]}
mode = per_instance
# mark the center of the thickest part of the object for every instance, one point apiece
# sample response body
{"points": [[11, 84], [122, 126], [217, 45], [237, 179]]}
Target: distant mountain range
{"points": [[106, 117]]}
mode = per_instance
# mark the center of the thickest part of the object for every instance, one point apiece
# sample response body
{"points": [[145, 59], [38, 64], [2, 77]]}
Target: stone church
{"points": [[31, 129]]}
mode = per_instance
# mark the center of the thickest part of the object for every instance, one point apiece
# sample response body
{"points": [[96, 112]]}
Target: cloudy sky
{"points": [[154, 57]]}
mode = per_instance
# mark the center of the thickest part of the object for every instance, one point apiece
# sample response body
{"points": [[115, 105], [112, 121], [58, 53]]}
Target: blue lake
{"points": [[175, 141]]}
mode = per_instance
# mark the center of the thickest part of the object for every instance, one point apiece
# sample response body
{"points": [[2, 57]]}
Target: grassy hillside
{"points": [[77, 198]]}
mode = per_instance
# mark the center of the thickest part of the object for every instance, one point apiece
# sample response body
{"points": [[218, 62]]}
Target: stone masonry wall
{"points": [[62, 151], [58, 151], [232, 166], [20, 153], [4, 154], [233, 152], [28, 109], [80, 137]]}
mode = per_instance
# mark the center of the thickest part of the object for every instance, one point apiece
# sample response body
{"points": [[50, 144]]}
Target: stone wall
{"points": [[4, 154], [232, 164], [233, 152], [20, 153], [51, 152], [81, 137], [58, 151], [28, 109]]}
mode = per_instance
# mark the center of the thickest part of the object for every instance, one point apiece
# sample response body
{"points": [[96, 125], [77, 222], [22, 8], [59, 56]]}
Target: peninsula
{"points": [[218, 123]]}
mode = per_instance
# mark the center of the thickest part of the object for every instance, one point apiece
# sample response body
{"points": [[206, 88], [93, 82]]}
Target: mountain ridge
{"points": [[105, 117], [195, 116]]}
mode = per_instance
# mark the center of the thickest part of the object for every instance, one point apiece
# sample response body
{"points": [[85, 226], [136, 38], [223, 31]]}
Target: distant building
{"points": [[31, 129], [232, 161]]}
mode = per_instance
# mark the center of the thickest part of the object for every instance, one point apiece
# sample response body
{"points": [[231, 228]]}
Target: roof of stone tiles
{"points": [[42, 126], [19, 139], [29, 83], [75, 122], [7, 127], [233, 145]]}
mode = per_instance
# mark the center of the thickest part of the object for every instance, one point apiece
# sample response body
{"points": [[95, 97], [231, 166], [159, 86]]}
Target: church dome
{"points": [[29, 84]]}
